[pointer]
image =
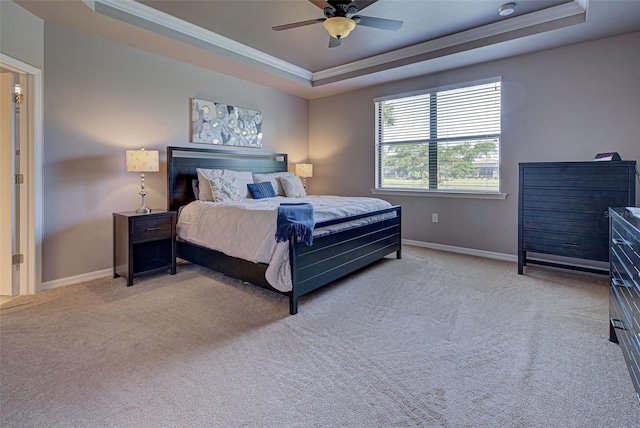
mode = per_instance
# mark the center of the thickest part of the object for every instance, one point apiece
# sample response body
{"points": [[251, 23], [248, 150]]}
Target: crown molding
{"points": [[133, 12], [134, 9]]}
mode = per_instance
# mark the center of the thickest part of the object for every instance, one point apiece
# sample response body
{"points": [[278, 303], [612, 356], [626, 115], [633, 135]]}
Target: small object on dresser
{"points": [[143, 243], [610, 156]]}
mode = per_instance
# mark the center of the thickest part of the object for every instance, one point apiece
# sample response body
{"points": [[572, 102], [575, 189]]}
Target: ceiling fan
{"points": [[340, 19]]}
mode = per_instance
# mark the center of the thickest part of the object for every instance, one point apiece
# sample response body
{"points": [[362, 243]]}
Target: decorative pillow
{"points": [[224, 190], [262, 190], [273, 178], [292, 186], [204, 175]]}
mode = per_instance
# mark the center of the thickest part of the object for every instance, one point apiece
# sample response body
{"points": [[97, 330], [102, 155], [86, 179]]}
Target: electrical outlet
{"points": [[434, 217]]}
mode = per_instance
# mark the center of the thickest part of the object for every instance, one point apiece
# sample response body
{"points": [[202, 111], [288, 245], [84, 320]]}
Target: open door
{"points": [[12, 136]]}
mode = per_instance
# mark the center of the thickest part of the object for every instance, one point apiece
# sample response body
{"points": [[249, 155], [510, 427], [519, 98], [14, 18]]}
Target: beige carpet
{"points": [[434, 339]]}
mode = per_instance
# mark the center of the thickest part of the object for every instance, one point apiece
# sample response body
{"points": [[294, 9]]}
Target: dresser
{"points": [[143, 243], [563, 210], [624, 288]]}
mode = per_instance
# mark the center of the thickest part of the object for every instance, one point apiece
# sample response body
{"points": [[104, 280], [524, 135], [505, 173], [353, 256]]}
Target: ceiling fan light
{"points": [[339, 27]]}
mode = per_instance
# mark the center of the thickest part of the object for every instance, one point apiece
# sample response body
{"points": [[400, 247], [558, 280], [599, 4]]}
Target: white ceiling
{"points": [[235, 37]]}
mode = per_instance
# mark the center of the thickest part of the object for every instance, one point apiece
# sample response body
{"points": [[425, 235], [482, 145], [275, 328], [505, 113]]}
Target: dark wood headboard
{"points": [[183, 161]]}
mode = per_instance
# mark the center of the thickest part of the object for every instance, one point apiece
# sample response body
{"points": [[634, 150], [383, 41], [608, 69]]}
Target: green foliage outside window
{"points": [[459, 128]]}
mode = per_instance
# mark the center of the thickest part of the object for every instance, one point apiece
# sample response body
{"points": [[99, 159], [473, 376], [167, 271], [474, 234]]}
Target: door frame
{"points": [[31, 167]]}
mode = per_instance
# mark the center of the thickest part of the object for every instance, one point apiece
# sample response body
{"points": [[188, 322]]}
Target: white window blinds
{"points": [[442, 139]]}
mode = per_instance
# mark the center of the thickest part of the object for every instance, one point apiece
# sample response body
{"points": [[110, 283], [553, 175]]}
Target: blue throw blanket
{"points": [[298, 219]]}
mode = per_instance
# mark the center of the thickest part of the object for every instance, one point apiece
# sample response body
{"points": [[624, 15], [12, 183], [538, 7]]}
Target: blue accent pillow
{"points": [[262, 190]]}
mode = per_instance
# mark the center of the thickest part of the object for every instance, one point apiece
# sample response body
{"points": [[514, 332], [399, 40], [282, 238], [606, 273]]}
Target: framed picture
{"points": [[222, 124]]}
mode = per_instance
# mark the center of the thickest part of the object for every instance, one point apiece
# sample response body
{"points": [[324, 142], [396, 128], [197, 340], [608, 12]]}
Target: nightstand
{"points": [[143, 243]]}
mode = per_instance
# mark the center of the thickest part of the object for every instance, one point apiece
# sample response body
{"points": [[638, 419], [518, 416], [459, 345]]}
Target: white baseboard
{"points": [[76, 279], [469, 251], [463, 250]]}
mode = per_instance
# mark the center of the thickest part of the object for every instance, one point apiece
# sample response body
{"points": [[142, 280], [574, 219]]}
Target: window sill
{"points": [[438, 194]]}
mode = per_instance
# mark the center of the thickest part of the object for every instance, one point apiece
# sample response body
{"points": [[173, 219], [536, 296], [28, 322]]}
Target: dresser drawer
{"points": [[626, 295], [571, 223], [569, 245], [621, 275], [573, 200], [619, 314], [625, 241], [578, 177], [628, 340], [620, 258], [153, 228]]}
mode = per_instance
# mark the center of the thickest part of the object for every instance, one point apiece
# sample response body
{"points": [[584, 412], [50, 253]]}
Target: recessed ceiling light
{"points": [[507, 9]]}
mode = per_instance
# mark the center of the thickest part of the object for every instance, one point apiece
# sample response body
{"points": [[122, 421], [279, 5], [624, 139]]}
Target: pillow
{"points": [[204, 175], [224, 190], [292, 186], [262, 190], [273, 178]]}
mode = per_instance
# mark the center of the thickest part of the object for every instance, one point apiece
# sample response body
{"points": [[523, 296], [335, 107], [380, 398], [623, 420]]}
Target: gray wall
{"points": [[102, 98], [21, 34], [565, 104]]}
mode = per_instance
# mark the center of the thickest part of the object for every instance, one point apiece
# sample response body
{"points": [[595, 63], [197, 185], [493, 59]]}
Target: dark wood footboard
{"points": [[338, 254], [330, 257]]}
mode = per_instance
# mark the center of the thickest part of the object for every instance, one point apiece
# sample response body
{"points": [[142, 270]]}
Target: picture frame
{"points": [[222, 124]]}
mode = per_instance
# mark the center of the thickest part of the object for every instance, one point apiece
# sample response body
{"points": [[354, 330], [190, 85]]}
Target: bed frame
{"points": [[330, 257]]}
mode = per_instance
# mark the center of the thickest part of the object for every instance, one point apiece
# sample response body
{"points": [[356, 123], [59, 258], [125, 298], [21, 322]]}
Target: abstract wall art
{"points": [[222, 124]]}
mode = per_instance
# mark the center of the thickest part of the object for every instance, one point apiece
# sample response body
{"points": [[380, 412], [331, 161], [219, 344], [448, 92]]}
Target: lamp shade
{"points": [[339, 26], [304, 170], [142, 161]]}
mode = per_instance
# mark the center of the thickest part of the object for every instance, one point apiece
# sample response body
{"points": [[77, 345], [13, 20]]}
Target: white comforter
{"points": [[246, 229]]}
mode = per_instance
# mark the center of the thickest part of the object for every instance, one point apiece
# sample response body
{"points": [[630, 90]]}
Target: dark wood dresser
{"points": [[624, 288], [563, 209]]}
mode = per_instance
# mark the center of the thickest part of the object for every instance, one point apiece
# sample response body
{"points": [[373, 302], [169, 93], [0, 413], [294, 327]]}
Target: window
{"points": [[445, 139]]}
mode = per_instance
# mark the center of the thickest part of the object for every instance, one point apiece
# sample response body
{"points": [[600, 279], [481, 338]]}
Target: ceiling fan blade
{"points": [[381, 23], [320, 3], [361, 4], [333, 42], [298, 24]]}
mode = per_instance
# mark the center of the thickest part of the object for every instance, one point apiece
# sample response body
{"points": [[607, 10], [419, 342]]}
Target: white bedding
{"points": [[246, 229]]}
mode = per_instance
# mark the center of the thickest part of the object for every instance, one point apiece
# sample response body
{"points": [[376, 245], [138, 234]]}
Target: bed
{"points": [[345, 249]]}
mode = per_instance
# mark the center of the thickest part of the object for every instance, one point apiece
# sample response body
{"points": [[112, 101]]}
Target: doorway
{"points": [[12, 126], [21, 217]]}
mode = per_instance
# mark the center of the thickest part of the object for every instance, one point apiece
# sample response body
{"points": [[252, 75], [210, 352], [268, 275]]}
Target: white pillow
{"points": [[242, 178], [224, 189], [273, 178], [292, 186]]}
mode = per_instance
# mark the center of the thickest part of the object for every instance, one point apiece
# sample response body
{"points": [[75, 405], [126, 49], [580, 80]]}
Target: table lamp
{"points": [[304, 170], [142, 161]]}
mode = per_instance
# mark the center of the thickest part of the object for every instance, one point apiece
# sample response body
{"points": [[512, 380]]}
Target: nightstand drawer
{"points": [[151, 228]]}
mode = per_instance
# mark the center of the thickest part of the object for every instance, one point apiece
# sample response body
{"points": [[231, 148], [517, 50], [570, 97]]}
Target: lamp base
{"points": [[143, 210]]}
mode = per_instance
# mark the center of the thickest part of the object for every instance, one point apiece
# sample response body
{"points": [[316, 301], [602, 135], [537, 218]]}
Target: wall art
{"points": [[222, 124]]}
